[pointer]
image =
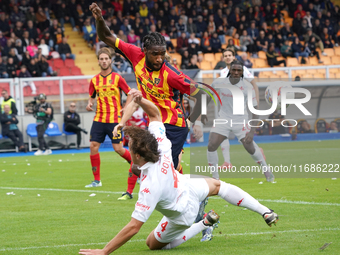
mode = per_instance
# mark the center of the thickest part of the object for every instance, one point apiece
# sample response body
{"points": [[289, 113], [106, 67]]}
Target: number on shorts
{"points": [[119, 133], [163, 225]]}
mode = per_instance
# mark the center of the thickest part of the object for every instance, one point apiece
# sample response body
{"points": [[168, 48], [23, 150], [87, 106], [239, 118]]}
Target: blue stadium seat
{"points": [[53, 130], [31, 131]]}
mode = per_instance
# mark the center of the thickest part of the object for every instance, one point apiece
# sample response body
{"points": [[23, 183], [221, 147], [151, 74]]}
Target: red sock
{"points": [[127, 156], [95, 162], [180, 170], [132, 179]]}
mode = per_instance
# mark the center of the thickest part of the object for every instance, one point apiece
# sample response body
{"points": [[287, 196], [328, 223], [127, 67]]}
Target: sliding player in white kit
{"points": [[174, 195], [220, 132]]}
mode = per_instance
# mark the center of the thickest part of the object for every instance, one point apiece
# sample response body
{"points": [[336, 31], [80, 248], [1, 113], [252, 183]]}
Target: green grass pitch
{"points": [[52, 213]]}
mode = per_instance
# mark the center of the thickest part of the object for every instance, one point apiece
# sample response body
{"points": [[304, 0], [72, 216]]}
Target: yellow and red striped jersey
{"points": [[108, 91], [162, 87]]}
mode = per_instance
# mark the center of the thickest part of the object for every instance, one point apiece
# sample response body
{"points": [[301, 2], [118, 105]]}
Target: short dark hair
{"points": [[152, 39], [235, 62], [143, 143]]}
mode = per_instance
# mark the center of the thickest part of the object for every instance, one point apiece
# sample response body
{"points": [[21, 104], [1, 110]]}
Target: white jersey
{"points": [[162, 187], [246, 74], [226, 110]]}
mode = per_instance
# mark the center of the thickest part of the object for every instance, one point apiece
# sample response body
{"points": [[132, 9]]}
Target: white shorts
{"points": [[168, 230], [239, 130]]}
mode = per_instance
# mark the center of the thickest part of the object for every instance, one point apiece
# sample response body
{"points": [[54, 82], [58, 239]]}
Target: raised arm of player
{"points": [[121, 238], [102, 30], [257, 93]]}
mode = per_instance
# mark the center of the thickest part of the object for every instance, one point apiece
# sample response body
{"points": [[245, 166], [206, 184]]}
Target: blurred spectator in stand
{"points": [[303, 29], [10, 129], [122, 36], [272, 57], [317, 27], [193, 63], [33, 68], [232, 46], [215, 42], [326, 38], [220, 64], [26, 59], [247, 43], [172, 30], [32, 32], [201, 26], [237, 43], [18, 30], [246, 62], [65, 16], [318, 41], [42, 21], [253, 31], [120, 65], [211, 25], [12, 54], [45, 67], [16, 15], [143, 11], [45, 50], [193, 48], [261, 42], [191, 26], [297, 49], [309, 19], [125, 27], [90, 33], [4, 25], [5, 50], [333, 127], [181, 27], [19, 49], [25, 39], [71, 121], [205, 43], [3, 70], [296, 27], [159, 26], [277, 118], [305, 127], [311, 48], [182, 43], [32, 48], [287, 32], [64, 50], [286, 50], [30, 15], [169, 46], [53, 32], [24, 73], [221, 34], [3, 40], [185, 60], [300, 11], [175, 63], [133, 38]]}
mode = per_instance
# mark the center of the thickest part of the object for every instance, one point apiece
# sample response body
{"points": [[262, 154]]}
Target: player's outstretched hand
{"points": [[89, 107], [96, 11], [91, 252], [136, 95], [198, 132], [117, 129], [249, 137]]}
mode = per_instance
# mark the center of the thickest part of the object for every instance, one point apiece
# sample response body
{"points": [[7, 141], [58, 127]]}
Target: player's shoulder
{"points": [[114, 75], [171, 69]]}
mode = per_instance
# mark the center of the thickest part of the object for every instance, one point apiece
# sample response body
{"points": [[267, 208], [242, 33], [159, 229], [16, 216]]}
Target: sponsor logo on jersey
{"points": [[142, 207], [144, 177], [159, 139], [146, 190]]}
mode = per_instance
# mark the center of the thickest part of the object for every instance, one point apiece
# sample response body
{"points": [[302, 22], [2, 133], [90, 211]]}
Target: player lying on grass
{"points": [[174, 195]]}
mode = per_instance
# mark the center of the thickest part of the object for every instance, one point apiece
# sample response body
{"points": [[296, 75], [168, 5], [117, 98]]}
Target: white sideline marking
{"points": [[143, 240], [216, 197]]}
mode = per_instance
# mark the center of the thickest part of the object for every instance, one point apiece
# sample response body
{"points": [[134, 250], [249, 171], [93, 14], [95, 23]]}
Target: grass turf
{"points": [[63, 218]]}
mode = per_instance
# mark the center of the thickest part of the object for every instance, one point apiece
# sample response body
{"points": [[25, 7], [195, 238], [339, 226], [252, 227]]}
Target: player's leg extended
{"points": [[179, 166], [225, 146], [238, 197], [257, 154], [215, 140], [131, 181]]}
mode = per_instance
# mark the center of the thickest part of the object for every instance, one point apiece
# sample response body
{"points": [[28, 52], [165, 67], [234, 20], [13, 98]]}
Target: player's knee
{"points": [[212, 147]]}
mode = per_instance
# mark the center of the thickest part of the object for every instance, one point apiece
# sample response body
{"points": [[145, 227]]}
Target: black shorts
{"points": [[177, 136], [99, 130]]}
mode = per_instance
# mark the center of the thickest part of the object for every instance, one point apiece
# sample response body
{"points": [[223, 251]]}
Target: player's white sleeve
{"points": [[148, 198], [247, 74], [253, 96], [157, 128]]}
